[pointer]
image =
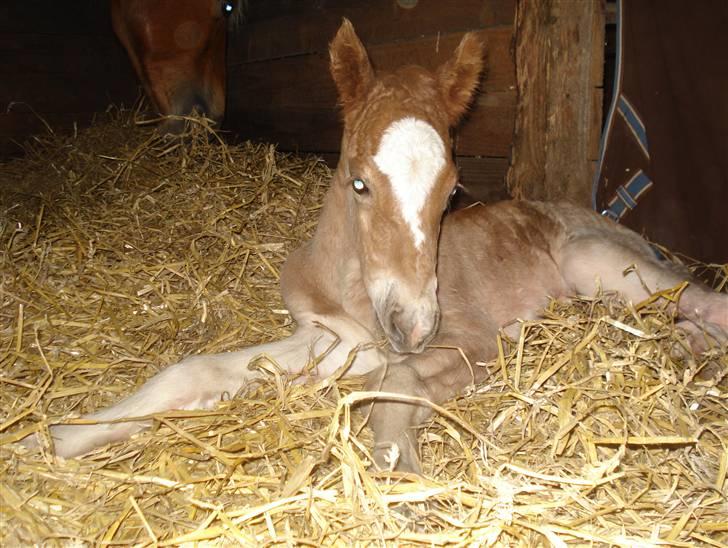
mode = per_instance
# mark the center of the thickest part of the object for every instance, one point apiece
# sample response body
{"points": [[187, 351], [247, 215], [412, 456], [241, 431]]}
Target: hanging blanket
{"points": [[663, 168]]}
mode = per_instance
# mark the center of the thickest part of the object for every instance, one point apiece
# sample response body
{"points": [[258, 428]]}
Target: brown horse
{"points": [[177, 48], [384, 262]]}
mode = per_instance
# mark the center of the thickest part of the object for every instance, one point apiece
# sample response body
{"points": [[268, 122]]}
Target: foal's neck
{"points": [[333, 239], [333, 254]]}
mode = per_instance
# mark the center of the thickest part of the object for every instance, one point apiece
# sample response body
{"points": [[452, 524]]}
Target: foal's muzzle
{"points": [[408, 334], [409, 326]]}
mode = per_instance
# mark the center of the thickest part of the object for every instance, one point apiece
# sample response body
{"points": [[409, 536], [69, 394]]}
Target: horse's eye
{"points": [[228, 6], [451, 198], [359, 186]]}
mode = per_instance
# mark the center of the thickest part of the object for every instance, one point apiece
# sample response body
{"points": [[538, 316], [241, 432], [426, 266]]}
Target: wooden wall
{"points": [[279, 88], [59, 62]]}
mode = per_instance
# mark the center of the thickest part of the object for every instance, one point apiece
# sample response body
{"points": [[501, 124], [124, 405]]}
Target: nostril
{"points": [[436, 322], [172, 127], [199, 103], [396, 331], [187, 102]]}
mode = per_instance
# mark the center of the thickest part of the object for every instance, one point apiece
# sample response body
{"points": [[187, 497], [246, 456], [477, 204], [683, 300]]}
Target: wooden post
{"points": [[559, 72]]}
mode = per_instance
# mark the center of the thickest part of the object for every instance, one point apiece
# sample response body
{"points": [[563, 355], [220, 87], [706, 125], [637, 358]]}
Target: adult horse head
{"points": [[177, 48], [397, 171]]}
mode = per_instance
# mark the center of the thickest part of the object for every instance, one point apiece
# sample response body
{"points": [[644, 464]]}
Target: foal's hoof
{"points": [[708, 346], [407, 516], [31, 442], [704, 337], [390, 457]]}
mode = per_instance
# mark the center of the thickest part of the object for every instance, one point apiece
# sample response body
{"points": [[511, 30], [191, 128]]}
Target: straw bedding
{"points": [[123, 253]]}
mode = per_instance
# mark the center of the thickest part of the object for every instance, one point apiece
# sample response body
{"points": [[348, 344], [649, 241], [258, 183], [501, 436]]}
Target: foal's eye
{"points": [[359, 186], [228, 6], [450, 198], [454, 191]]}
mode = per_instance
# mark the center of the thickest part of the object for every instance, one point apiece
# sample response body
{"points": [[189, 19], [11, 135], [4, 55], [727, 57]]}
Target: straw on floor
{"points": [[123, 252]]}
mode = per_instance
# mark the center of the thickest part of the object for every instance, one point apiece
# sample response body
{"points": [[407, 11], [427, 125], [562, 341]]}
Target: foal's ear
{"points": [[459, 76], [350, 66]]}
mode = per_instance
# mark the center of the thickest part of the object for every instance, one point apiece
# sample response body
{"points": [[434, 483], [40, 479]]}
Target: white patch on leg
{"points": [[412, 154]]}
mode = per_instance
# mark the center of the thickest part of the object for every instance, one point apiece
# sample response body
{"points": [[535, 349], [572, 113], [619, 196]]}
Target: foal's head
{"points": [[397, 171]]}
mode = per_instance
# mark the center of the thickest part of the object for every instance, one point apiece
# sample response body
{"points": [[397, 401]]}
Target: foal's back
{"points": [[502, 262], [495, 266]]}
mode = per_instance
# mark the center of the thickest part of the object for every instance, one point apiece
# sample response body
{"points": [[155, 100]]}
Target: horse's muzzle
{"points": [[410, 329], [186, 103]]}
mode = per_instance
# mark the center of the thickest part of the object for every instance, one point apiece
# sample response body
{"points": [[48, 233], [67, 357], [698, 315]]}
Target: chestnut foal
{"points": [[384, 262]]}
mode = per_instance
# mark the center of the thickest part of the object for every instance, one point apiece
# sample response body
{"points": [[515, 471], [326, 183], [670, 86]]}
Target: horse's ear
{"points": [[458, 77], [350, 66]]}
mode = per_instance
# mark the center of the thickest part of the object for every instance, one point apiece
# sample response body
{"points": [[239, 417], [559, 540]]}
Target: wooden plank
{"points": [[55, 73], [305, 79], [82, 17], [493, 11], [597, 38], [16, 43], [554, 136], [84, 59], [303, 74], [431, 52], [60, 93], [483, 179], [279, 29], [596, 79], [292, 129], [498, 12], [595, 123], [487, 131], [293, 81], [488, 128]]}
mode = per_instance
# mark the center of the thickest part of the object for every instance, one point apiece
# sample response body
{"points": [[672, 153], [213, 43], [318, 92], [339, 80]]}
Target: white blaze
{"points": [[411, 153]]}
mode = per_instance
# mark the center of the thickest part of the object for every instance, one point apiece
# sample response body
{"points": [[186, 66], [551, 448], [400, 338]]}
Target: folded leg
{"points": [[604, 255], [435, 376]]}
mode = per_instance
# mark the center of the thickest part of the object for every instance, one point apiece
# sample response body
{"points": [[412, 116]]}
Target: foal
{"points": [[385, 263]]}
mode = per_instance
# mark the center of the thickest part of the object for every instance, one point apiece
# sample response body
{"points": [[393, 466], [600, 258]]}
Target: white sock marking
{"points": [[411, 153]]}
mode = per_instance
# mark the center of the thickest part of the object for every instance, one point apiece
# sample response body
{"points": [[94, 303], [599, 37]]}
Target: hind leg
{"points": [[601, 257]]}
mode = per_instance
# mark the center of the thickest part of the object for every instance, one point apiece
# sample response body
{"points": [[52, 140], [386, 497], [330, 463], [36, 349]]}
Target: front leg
{"points": [[435, 375], [198, 382]]}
